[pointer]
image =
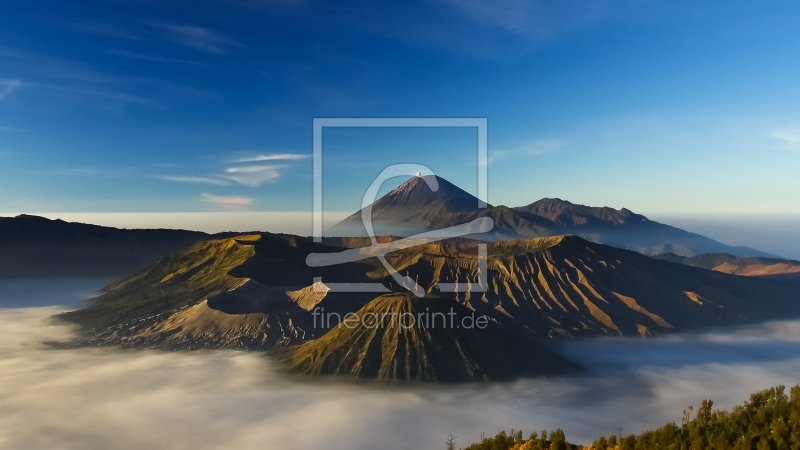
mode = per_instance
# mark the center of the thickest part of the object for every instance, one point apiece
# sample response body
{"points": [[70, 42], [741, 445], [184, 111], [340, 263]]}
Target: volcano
{"points": [[416, 206], [256, 292]]}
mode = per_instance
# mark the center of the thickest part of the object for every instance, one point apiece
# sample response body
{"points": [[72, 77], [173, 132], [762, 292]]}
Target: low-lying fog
{"points": [[107, 399]]}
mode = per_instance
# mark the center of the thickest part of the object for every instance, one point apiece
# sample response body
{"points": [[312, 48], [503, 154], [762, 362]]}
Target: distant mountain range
{"points": [[778, 269], [547, 277], [33, 246], [257, 292], [414, 207]]}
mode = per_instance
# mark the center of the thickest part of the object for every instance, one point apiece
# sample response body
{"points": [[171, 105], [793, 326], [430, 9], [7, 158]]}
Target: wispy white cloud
{"points": [[74, 81], [40, 66], [192, 179], [85, 171], [253, 176], [790, 137], [68, 79], [104, 29], [70, 171], [143, 57], [501, 29], [248, 175], [232, 203], [7, 87], [536, 21], [271, 157], [521, 16], [535, 148], [199, 38], [115, 101]]}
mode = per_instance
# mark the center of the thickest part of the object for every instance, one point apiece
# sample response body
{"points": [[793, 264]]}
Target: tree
{"points": [[543, 440], [600, 443], [451, 441], [558, 440], [769, 421]]}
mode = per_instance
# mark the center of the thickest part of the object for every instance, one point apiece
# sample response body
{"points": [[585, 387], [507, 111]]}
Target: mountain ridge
{"points": [[33, 246], [255, 292], [727, 263], [413, 208], [398, 351]]}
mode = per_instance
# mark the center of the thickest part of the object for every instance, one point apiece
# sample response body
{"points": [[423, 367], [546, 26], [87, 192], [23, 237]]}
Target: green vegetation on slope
{"points": [[172, 282], [769, 421]]}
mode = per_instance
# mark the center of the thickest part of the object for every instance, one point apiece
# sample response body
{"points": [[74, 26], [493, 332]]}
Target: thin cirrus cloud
{"points": [[271, 157], [253, 176], [247, 175], [75, 81], [7, 87], [231, 203], [103, 29], [532, 20], [502, 29], [199, 38], [144, 57], [535, 148], [191, 179], [790, 138]]}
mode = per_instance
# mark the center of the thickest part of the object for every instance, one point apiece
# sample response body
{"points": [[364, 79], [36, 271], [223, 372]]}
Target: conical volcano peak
{"points": [[423, 190], [428, 202], [417, 205]]}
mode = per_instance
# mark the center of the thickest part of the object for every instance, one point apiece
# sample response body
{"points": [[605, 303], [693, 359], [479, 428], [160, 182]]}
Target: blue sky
{"points": [[151, 106]]}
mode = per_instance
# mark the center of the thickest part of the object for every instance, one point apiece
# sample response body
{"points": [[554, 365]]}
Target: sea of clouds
{"points": [[111, 399]]}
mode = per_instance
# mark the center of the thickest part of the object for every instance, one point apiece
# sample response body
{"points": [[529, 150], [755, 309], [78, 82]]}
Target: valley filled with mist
{"points": [[103, 397]]}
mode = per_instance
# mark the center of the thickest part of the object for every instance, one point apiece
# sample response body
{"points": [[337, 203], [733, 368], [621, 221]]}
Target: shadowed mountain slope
{"points": [[204, 297], [33, 246], [566, 286], [414, 207], [416, 199], [624, 229], [173, 282], [402, 337], [257, 292]]}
